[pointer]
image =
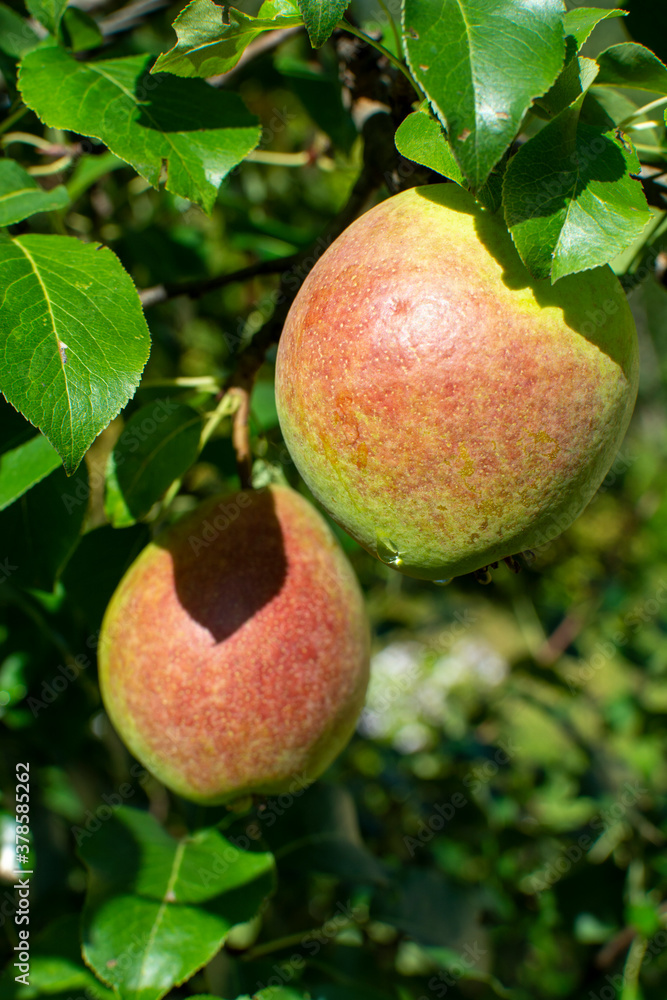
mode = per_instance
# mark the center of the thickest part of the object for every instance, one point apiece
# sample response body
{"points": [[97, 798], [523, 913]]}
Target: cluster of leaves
{"points": [[467, 805]]}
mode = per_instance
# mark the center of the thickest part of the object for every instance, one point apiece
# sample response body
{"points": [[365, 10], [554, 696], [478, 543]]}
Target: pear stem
{"points": [[241, 435]]}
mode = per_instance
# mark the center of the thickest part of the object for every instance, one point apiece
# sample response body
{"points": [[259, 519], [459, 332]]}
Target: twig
{"points": [[609, 954], [13, 118], [195, 289], [45, 169], [562, 636], [638, 112], [130, 16]]}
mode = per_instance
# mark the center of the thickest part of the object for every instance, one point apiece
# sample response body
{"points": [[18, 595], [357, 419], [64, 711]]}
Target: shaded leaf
{"points": [[199, 132], [263, 406], [16, 35], [24, 466], [420, 138], [469, 58], [632, 65], [207, 45], [576, 78], [432, 909], [321, 17], [166, 905], [39, 532], [74, 339], [320, 832], [158, 445], [100, 560], [21, 196], [570, 200], [579, 23], [79, 30], [47, 12]]}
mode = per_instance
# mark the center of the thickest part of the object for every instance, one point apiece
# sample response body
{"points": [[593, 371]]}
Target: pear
{"points": [[233, 656], [443, 406]]}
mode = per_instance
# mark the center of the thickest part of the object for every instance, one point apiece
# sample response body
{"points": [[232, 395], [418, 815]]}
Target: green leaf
{"points": [[632, 65], [21, 195], [199, 132], [16, 36], [321, 17], [469, 58], [570, 200], [40, 531], [24, 466], [165, 905], [73, 337], [576, 78], [47, 12], [579, 23], [420, 138], [158, 445], [263, 406], [208, 45], [79, 31], [100, 560]]}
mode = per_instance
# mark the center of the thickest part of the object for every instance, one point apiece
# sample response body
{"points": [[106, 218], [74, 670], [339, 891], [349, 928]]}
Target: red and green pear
{"points": [[234, 653], [445, 408]]}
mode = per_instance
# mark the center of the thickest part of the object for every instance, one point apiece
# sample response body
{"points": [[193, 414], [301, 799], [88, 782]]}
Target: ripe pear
{"points": [[234, 654], [447, 409]]}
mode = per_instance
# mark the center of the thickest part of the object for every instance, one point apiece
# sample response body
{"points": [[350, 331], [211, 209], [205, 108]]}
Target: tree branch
{"points": [[195, 289]]}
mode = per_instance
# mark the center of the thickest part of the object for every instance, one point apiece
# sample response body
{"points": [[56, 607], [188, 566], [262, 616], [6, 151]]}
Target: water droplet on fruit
{"points": [[443, 582], [387, 551]]}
